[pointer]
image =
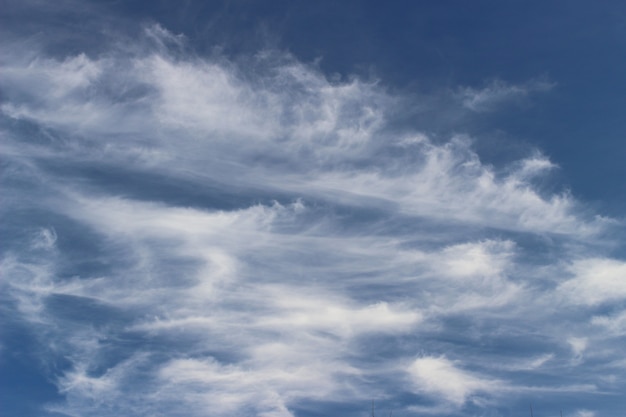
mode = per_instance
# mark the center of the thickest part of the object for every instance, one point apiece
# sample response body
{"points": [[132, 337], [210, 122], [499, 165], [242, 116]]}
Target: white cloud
{"points": [[449, 182], [529, 364], [616, 324], [484, 259], [251, 309], [471, 276], [578, 346], [595, 281], [321, 138], [319, 312], [222, 389], [28, 284], [163, 37], [79, 383], [498, 93], [298, 326], [440, 377], [45, 239], [584, 413]]}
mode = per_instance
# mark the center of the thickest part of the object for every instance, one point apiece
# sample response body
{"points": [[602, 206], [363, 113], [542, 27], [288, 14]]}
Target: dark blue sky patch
{"points": [[26, 381]]}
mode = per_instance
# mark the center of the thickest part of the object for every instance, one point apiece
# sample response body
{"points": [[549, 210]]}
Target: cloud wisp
{"points": [[197, 236], [499, 93]]}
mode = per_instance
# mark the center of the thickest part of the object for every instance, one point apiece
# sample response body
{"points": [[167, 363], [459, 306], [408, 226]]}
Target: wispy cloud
{"points": [[614, 323], [595, 281], [207, 237], [439, 376], [498, 93], [585, 413]]}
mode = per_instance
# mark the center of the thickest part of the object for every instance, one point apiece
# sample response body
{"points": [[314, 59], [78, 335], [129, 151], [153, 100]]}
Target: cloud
{"points": [[440, 377], [578, 346], [218, 293], [28, 285], [529, 364], [616, 324], [451, 183], [320, 137], [225, 389], [595, 281], [163, 38], [195, 235], [313, 312], [45, 239], [498, 93], [584, 413]]}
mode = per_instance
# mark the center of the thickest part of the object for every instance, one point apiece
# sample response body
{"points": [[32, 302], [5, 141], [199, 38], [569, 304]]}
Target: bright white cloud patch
{"points": [[212, 238], [439, 376], [596, 281]]}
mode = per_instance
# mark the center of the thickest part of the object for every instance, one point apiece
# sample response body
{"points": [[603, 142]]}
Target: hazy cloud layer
{"points": [[191, 236]]}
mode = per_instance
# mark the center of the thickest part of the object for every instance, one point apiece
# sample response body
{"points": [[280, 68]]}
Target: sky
{"points": [[303, 208]]}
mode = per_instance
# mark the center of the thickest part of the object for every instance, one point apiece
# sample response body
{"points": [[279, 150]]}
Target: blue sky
{"points": [[238, 208]]}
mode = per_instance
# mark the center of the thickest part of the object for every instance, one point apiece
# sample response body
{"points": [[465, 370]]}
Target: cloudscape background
{"points": [[238, 208]]}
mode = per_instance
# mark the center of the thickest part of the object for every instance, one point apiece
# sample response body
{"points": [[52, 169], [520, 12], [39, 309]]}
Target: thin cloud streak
{"points": [[498, 93]]}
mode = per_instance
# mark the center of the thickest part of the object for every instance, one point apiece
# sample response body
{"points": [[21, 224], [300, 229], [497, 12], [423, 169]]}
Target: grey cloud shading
{"points": [[284, 295]]}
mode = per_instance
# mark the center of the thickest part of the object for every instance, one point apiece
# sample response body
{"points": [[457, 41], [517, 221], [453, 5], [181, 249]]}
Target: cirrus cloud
{"points": [[203, 236]]}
